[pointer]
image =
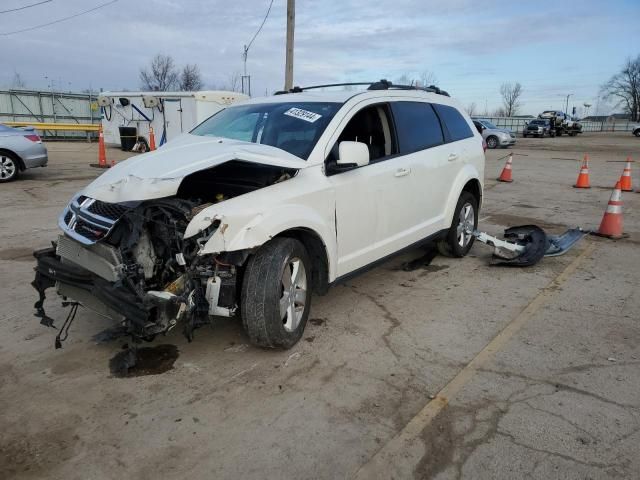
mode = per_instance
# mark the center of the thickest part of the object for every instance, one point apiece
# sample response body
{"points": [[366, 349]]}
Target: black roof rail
{"points": [[379, 85]]}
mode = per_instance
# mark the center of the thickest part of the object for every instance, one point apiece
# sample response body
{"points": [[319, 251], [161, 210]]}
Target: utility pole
{"points": [[291, 22]]}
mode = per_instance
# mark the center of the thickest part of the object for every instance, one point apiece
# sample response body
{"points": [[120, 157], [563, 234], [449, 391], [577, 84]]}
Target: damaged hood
{"points": [[159, 173]]}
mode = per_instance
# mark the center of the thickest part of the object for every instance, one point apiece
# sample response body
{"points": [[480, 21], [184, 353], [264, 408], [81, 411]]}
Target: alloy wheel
{"points": [[294, 294]]}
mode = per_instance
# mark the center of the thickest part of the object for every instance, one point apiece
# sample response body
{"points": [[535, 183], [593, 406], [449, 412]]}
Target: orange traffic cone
{"points": [[152, 140], [102, 154], [611, 225], [583, 176], [505, 176], [625, 179]]}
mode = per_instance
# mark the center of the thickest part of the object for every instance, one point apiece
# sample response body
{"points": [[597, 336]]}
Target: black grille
{"points": [[67, 217], [112, 211]]}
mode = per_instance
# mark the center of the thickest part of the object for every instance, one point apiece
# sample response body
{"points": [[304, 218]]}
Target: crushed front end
{"points": [[130, 262]]}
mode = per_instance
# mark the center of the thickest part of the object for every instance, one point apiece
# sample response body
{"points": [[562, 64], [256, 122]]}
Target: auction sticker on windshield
{"points": [[305, 115]]}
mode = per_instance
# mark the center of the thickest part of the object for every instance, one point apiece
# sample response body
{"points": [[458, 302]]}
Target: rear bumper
{"points": [[40, 160]]}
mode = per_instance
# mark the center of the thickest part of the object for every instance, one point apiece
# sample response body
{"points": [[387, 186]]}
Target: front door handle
{"points": [[401, 172], [452, 157]]}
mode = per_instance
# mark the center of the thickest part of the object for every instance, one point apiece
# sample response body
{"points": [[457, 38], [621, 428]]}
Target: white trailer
{"points": [[169, 113]]}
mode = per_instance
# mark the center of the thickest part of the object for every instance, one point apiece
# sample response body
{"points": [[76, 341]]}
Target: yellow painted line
{"points": [[400, 453]]}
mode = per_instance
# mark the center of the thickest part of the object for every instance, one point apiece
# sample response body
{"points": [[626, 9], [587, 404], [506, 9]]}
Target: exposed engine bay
{"points": [[132, 263]]}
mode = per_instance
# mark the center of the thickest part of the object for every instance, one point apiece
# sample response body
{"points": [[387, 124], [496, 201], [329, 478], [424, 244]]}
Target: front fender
{"points": [[250, 229], [467, 173]]}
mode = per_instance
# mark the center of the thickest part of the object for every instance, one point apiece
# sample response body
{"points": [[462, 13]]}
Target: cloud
{"points": [[471, 47]]}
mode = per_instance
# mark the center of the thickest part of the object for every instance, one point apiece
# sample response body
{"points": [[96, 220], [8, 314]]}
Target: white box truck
{"points": [[128, 116]]}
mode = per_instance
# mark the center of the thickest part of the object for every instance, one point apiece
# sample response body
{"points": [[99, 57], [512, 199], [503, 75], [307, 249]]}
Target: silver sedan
{"points": [[20, 148]]}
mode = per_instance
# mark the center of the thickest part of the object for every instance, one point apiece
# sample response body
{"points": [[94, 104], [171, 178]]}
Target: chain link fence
{"points": [[49, 107], [516, 124]]}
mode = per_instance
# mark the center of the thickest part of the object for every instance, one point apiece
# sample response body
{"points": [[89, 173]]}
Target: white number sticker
{"points": [[303, 114]]}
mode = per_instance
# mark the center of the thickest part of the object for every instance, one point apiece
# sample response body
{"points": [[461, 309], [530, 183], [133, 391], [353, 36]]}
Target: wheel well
{"points": [[473, 187], [318, 253], [21, 166]]}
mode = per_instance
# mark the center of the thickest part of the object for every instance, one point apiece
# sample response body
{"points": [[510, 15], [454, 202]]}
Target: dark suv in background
{"points": [[537, 128]]}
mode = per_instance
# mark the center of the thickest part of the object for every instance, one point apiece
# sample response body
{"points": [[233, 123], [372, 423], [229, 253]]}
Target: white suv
{"points": [[265, 202]]}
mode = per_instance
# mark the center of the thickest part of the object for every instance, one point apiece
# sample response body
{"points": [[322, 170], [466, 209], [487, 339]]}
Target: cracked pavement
{"points": [[559, 398]]}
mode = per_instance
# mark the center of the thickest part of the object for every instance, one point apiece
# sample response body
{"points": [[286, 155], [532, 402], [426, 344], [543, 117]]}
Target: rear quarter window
{"points": [[454, 122], [417, 126]]}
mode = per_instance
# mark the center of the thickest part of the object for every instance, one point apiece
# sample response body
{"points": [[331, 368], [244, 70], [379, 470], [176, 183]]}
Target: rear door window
{"points": [[454, 122], [417, 126]]}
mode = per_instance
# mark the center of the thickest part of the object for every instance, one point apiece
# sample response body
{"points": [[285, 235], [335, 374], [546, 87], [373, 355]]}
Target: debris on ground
{"points": [[526, 245]]}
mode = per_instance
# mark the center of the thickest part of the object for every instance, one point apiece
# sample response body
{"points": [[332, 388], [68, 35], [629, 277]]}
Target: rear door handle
{"points": [[452, 157], [401, 172]]}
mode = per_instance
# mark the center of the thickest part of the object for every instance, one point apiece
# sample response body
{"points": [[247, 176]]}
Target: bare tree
{"points": [[428, 78], [471, 109], [190, 78], [624, 87], [511, 93], [163, 75], [403, 80], [233, 82], [499, 112], [18, 81]]}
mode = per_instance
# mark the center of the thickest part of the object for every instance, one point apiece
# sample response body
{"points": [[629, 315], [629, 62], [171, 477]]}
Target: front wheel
{"points": [[276, 294], [459, 239], [492, 142], [637, 133]]}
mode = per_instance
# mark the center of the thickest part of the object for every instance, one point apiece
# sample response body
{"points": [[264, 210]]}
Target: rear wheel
{"points": [[637, 132], [459, 240], [276, 294], [8, 167]]}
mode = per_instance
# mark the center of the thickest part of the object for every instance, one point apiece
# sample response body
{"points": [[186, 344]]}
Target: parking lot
{"points": [[453, 369]]}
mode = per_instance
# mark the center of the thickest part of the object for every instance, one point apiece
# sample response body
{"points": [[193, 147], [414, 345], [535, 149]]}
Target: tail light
{"points": [[484, 145], [33, 137]]}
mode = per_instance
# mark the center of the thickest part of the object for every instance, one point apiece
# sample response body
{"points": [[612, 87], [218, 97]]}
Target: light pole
{"points": [[566, 107]]}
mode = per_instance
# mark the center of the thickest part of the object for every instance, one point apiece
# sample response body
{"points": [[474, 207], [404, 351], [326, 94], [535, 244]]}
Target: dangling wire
{"points": [[63, 334]]}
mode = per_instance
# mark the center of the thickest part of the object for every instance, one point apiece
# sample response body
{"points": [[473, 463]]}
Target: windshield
{"points": [[293, 127], [538, 122], [488, 124]]}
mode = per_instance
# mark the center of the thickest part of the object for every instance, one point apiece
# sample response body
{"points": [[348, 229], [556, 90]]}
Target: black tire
{"points": [[558, 134], [524, 135], [9, 167], [637, 132], [263, 290], [449, 245], [492, 142]]}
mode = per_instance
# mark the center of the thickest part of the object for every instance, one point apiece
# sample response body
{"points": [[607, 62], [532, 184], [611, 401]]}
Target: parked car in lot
{"points": [[494, 136], [264, 203], [20, 148], [636, 130], [537, 128]]}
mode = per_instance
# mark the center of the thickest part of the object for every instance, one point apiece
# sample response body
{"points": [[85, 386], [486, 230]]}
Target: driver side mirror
{"points": [[353, 154]]}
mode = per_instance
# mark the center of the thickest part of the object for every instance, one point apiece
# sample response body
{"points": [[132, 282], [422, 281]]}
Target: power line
{"points": [[261, 25], [26, 6], [59, 20]]}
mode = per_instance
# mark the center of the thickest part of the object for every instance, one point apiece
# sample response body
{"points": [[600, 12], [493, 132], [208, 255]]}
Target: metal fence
{"points": [[516, 124], [53, 107]]}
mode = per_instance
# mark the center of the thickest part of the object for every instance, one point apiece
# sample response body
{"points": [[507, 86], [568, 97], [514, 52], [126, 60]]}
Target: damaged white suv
{"points": [[264, 203]]}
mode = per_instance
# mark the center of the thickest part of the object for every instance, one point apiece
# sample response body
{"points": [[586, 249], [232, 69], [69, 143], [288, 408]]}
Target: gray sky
{"points": [[471, 46]]}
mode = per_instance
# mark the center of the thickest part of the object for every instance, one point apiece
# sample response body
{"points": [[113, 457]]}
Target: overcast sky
{"points": [[552, 48]]}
